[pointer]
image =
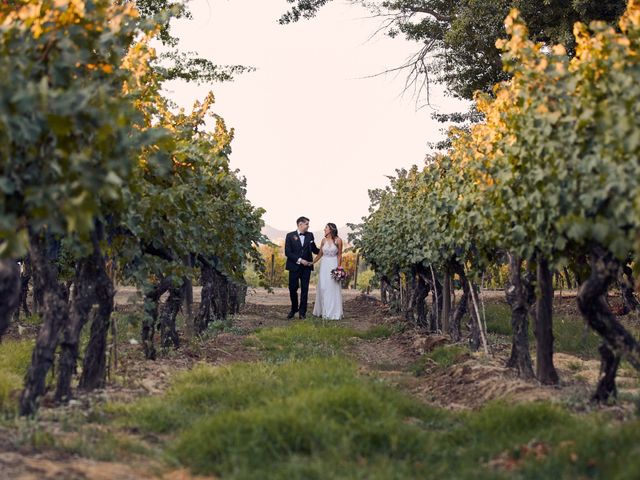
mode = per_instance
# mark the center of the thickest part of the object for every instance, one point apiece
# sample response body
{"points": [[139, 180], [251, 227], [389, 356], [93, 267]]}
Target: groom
{"points": [[298, 248]]}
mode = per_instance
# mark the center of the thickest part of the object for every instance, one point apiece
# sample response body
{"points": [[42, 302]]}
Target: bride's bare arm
{"points": [[319, 253], [339, 244]]}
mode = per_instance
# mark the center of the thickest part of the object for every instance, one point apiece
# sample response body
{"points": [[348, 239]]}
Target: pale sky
{"points": [[312, 135]]}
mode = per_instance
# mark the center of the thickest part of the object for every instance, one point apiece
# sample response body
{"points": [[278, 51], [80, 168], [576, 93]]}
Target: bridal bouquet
{"points": [[339, 274]]}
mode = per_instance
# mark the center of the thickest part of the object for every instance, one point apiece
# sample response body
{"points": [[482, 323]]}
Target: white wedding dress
{"points": [[328, 292]]}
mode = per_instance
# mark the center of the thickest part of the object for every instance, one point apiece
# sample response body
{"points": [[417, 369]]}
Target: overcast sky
{"points": [[312, 134]]}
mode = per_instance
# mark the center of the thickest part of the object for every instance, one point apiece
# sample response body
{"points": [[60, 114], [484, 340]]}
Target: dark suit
{"points": [[299, 275]]}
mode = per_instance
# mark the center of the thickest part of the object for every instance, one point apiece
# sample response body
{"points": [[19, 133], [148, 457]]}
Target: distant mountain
{"points": [[274, 234], [277, 236]]}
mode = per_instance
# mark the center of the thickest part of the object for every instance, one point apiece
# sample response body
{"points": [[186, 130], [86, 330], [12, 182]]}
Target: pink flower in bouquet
{"points": [[338, 274]]}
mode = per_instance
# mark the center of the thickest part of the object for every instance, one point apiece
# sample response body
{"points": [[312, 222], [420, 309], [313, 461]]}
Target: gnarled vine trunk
{"points": [[9, 293], [520, 297], [410, 308], [395, 302], [25, 278], [237, 297], [94, 365], [220, 295], [205, 312], [462, 308], [609, 363], [627, 289], [55, 315], [545, 370], [384, 290], [82, 300], [169, 312], [475, 325], [618, 342], [187, 307], [446, 301], [151, 303], [421, 293], [38, 293], [436, 301]]}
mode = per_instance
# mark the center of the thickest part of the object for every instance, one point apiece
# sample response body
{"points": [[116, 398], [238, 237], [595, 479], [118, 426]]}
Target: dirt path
{"points": [[280, 296], [256, 296]]}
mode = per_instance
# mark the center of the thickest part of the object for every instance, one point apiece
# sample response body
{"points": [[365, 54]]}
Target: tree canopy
{"points": [[458, 38]]}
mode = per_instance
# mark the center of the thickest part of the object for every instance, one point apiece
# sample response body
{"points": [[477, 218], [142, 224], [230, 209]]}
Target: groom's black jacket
{"points": [[294, 250]]}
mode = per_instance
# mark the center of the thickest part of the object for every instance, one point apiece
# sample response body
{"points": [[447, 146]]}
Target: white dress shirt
{"points": [[301, 237]]}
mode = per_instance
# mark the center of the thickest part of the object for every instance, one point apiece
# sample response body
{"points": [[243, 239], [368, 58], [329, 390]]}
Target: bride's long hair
{"points": [[334, 231]]}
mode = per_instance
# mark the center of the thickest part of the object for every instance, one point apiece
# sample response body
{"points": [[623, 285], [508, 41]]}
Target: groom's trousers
{"points": [[299, 279]]}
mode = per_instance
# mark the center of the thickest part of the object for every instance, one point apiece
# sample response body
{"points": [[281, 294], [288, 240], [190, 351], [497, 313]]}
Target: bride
{"points": [[329, 292]]}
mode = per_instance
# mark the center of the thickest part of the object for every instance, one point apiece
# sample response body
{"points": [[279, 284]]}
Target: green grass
{"points": [[206, 389], [498, 318], [103, 445], [343, 420], [15, 357], [33, 319], [303, 340], [317, 418], [307, 419], [312, 339], [569, 332], [442, 357], [127, 325], [447, 355]]}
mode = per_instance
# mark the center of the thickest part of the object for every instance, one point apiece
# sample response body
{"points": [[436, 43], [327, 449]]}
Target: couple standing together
{"points": [[299, 247]]}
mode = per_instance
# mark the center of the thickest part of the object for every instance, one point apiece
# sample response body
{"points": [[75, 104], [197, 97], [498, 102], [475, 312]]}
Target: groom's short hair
{"points": [[301, 220]]}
